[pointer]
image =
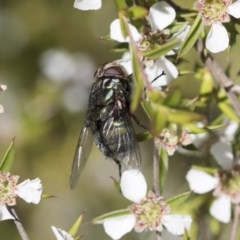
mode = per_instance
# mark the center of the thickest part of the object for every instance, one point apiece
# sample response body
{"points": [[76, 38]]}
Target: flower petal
{"points": [[133, 185], [222, 152], [181, 34], [161, 14], [217, 38], [234, 9], [125, 61], [88, 5], [5, 214], [177, 224], [200, 181], [116, 32], [30, 190], [119, 226], [61, 234], [221, 209], [230, 130], [156, 69]]}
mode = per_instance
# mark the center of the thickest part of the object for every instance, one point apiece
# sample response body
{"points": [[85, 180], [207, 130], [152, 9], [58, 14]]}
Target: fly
{"points": [[108, 120]]}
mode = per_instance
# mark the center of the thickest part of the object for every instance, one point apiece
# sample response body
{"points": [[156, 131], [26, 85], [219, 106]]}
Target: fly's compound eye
{"points": [[114, 71], [111, 70]]}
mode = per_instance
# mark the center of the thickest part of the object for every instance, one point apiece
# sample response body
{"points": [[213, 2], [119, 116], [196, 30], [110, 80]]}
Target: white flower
{"points": [[160, 16], [225, 184], [29, 190], [88, 4], [61, 234], [116, 32], [173, 137], [226, 190], [134, 188], [214, 13], [155, 68], [222, 152]]}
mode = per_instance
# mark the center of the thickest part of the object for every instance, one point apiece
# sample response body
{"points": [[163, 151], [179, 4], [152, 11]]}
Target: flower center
{"points": [[229, 184], [174, 136], [7, 189], [213, 10], [149, 212]]}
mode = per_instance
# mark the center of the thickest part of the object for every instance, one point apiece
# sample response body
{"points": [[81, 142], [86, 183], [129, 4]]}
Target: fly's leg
{"points": [[119, 167]]}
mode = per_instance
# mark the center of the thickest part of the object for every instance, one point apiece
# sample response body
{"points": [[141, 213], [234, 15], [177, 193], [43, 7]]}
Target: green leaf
{"points": [[178, 200], [74, 229], [183, 117], [192, 36], [138, 77], [163, 167], [143, 136], [159, 120], [138, 72], [173, 99], [227, 109], [8, 158], [120, 4], [160, 50], [207, 86], [193, 128], [117, 213], [136, 12], [205, 169]]}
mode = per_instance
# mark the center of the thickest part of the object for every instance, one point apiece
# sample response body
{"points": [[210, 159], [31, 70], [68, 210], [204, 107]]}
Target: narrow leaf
{"points": [[205, 169], [183, 117], [74, 229], [192, 36], [163, 167], [8, 158], [136, 12], [143, 136], [117, 213], [178, 200], [120, 4], [138, 72], [161, 50], [228, 110]]}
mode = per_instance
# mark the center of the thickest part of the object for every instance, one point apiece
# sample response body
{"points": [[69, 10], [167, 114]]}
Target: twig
{"points": [[235, 222], [156, 166], [19, 225], [156, 185]]}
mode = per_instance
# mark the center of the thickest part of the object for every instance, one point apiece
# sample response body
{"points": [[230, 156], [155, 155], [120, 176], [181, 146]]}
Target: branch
{"points": [[156, 166], [156, 184], [235, 222], [18, 224]]}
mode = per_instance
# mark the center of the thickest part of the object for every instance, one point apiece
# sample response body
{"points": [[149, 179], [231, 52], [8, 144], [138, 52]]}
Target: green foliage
{"points": [[192, 36], [117, 213], [8, 158], [163, 165], [161, 50], [178, 200], [76, 225]]}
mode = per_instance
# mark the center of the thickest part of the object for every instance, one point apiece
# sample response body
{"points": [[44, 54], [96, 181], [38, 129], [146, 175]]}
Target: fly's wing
{"points": [[81, 155], [119, 137]]}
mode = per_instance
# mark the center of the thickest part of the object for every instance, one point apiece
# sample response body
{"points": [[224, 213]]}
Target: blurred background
{"points": [[49, 52]]}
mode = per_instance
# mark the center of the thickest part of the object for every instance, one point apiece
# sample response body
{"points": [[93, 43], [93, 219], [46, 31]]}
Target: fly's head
{"points": [[111, 70]]}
